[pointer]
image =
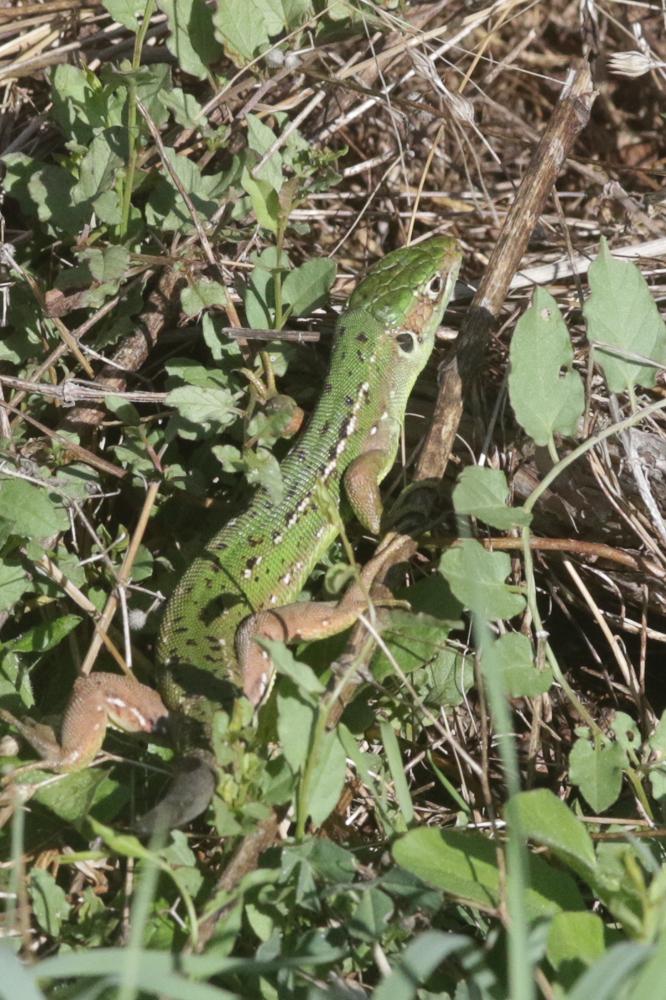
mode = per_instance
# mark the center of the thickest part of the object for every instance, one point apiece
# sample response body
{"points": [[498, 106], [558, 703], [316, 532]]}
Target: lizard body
{"points": [[244, 580], [242, 585]]}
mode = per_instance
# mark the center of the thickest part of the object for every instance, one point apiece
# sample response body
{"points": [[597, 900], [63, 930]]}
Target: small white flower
{"points": [[633, 64]]}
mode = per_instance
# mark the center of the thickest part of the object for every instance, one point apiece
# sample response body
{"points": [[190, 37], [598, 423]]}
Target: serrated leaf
{"points": [[514, 656], [477, 577], [621, 311], [545, 399], [546, 820], [484, 493], [307, 287], [191, 38], [597, 770]]}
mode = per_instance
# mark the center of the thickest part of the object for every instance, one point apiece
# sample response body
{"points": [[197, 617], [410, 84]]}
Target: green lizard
{"points": [[244, 583]]}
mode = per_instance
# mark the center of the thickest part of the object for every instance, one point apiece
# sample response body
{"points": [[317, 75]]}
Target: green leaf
{"points": [[546, 820], [201, 295], [96, 171], [513, 655], [477, 577], [545, 399], [264, 201], [575, 941], [371, 917], [166, 209], [301, 674], [29, 511], [14, 582], [185, 108], [417, 963], [43, 191], [242, 28], [483, 493], [200, 405], [260, 138], [621, 312], [294, 723], [107, 264], [307, 287], [328, 778], [657, 773], [191, 38], [394, 760], [129, 13], [626, 731], [465, 865], [650, 982], [41, 638], [73, 797], [597, 770], [417, 643], [259, 300], [49, 902], [609, 975]]}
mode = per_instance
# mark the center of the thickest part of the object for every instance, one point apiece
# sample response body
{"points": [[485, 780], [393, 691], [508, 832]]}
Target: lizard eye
{"points": [[407, 341], [434, 287]]}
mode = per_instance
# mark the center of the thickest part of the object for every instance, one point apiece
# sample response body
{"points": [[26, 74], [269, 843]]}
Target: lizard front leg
{"points": [[96, 701]]}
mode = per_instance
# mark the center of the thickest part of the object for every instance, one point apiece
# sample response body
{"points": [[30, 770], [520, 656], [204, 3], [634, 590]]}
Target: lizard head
{"points": [[406, 293]]}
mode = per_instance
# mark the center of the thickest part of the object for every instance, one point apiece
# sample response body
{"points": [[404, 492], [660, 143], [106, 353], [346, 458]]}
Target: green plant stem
{"points": [[132, 118], [521, 979]]}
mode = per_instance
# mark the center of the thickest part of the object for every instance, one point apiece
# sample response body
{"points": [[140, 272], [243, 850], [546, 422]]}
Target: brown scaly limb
{"points": [[568, 120]]}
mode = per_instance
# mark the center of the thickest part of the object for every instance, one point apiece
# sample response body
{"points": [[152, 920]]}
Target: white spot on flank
{"points": [[277, 539], [286, 579], [273, 599], [303, 505], [247, 573], [292, 520], [373, 430], [319, 532]]}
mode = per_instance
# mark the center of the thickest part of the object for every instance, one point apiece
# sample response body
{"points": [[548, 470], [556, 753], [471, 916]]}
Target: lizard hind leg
{"points": [[302, 621]]}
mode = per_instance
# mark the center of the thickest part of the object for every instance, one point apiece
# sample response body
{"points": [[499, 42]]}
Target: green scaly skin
{"points": [[262, 559]]}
